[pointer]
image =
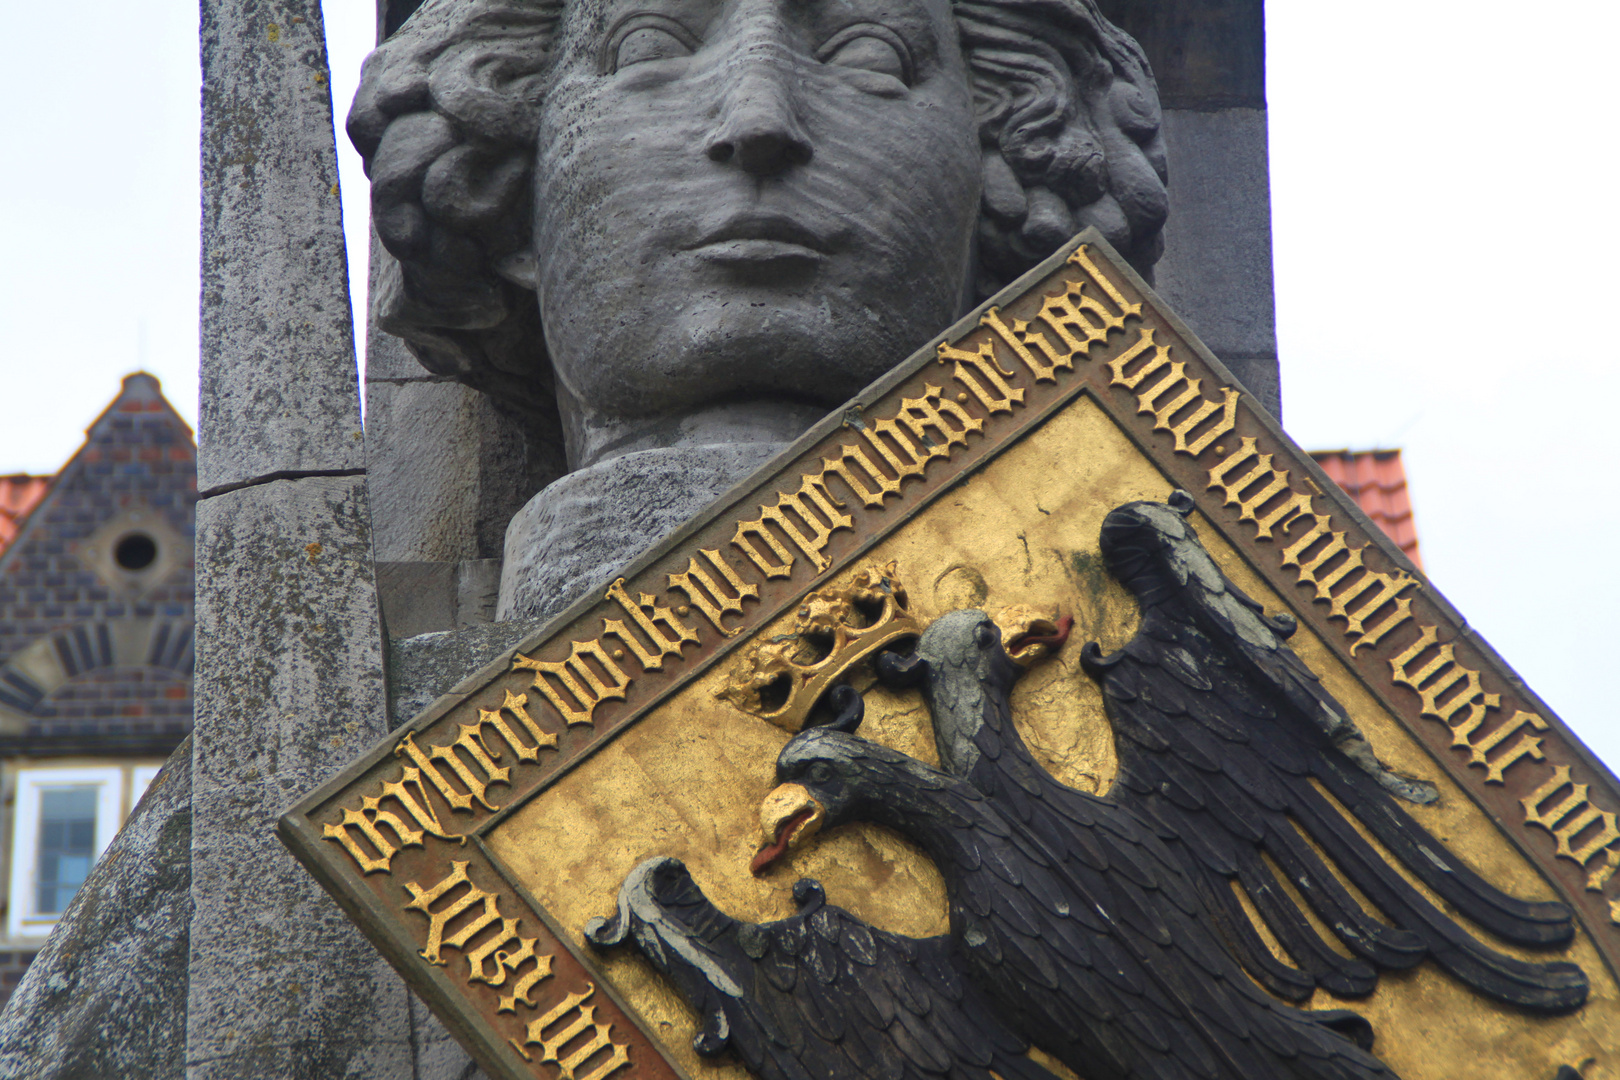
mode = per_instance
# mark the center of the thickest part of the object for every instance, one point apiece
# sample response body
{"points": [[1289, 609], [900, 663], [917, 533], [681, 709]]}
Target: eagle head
{"points": [[1155, 553], [826, 777], [1152, 550], [972, 645], [818, 780]]}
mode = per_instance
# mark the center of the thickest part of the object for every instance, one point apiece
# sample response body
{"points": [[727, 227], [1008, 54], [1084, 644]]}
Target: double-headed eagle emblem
{"points": [[1104, 930]]}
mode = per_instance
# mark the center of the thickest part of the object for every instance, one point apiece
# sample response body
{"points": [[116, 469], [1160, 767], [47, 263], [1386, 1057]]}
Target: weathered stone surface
{"points": [[423, 668], [106, 996], [289, 674], [1216, 268], [422, 455], [447, 470], [579, 532], [1209, 59], [1206, 54], [387, 358], [416, 597], [478, 591], [289, 686], [278, 386], [438, 1055], [424, 597]]}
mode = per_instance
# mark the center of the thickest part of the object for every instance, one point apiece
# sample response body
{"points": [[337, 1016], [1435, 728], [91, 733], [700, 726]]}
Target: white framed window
{"points": [[140, 778], [63, 820]]}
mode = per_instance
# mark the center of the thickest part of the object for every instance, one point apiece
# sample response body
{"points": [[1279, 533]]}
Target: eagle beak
{"points": [[1032, 635], [788, 817]]}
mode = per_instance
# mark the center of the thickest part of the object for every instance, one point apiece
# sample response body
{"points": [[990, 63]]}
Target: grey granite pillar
{"points": [[446, 471], [289, 680], [1209, 57]]}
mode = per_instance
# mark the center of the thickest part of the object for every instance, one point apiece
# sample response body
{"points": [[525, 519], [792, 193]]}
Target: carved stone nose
{"points": [[763, 153], [760, 133]]}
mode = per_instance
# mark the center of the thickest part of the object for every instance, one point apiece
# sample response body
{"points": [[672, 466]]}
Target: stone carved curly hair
{"points": [[448, 110]]}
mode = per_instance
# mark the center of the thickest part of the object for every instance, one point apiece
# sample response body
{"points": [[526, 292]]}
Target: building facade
{"points": [[96, 616]]}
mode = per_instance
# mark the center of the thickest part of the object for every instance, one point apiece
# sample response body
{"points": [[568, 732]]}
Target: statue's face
{"points": [[765, 202]]}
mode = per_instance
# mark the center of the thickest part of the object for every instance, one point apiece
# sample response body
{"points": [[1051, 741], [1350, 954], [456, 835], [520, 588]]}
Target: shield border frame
{"points": [[467, 1011]]}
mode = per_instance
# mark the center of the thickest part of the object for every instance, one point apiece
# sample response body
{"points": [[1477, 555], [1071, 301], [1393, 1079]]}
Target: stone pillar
{"points": [[289, 679], [1209, 57], [447, 472]]}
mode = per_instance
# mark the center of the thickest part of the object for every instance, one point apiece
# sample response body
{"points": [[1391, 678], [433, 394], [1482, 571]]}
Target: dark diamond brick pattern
{"points": [[138, 451], [12, 966]]}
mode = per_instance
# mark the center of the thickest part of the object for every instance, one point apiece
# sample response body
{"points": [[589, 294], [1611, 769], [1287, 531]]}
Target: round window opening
{"points": [[136, 551]]}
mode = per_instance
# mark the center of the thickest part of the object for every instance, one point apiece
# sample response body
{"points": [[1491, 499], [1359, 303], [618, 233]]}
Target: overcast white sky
{"points": [[1444, 218]]}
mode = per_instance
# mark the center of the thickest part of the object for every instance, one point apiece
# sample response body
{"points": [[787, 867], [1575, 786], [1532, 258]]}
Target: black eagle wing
{"points": [[1092, 938], [821, 994], [1228, 741]]}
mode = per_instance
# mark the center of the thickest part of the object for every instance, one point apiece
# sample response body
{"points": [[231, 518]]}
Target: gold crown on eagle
{"points": [[834, 629]]}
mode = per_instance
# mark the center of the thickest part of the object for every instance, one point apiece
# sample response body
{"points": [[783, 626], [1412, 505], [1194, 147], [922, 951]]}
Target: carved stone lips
{"points": [[762, 238]]}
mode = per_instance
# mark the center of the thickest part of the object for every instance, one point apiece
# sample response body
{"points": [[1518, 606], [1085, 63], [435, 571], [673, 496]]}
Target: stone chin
{"points": [[818, 350]]}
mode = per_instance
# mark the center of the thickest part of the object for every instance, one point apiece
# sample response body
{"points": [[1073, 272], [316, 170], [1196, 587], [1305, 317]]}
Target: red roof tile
{"points": [[19, 495], [1376, 479]]}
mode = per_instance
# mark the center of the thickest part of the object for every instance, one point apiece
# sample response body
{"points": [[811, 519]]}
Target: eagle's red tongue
{"points": [[1053, 640], [773, 851]]}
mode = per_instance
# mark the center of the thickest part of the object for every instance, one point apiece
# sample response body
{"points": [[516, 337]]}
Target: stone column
{"points": [[290, 680], [1209, 57], [447, 473]]}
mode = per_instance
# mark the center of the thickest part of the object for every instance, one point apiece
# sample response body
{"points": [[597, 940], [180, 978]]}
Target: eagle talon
{"points": [[715, 1036], [1282, 624], [605, 934], [850, 708], [901, 672], [1093, 662], [809, 895]]}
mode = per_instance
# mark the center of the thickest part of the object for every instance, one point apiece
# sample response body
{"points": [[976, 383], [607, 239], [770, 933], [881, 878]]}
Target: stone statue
{"points": [[670, 235]]}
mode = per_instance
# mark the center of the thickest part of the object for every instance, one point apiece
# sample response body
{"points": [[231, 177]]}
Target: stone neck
{"points": [[594, 438], [580, 532]]}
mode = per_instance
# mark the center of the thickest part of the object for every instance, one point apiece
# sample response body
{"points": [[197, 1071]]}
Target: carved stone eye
{"points": [[649, 43], [645, 37], [820, 772], [876, 52], [870, 54]]}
